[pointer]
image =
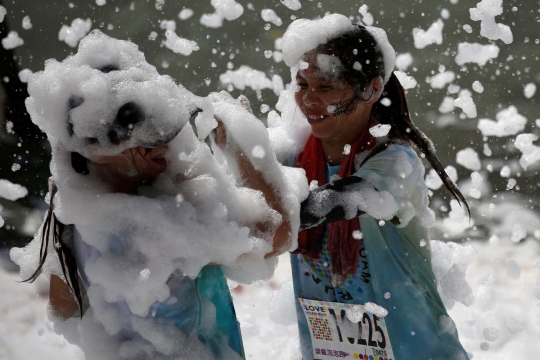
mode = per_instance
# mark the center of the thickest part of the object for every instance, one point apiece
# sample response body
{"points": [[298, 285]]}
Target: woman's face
{"points": [[324, 102], [133, 166]]}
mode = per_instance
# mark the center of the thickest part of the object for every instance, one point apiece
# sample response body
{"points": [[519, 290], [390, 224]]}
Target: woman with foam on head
{"points": [[142, 211], [362, 271]]}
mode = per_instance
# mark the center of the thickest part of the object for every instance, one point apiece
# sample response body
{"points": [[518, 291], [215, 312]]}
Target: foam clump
{"points": [[485, 12], [529, 90], [24, 74], [71, 35], [449, 262], [375, 309], [530, 152], [11, 191], [195, 213], [380, 130], [442, 79], [304, 35], [403, 61], [361, 196], [27, 23], [476, 53], [270, 15], [281, 307], [447, 105], [433, 35], [457, 220], [466, 103], [224, 9], [90, 89], [407, 81], [292, 4], [508, 122], [478, 87], [12, 40], [178, 44], [469, 159], [367, 17], [247, 77], [3, 13], [185, 14], [434, 182], [168, 25]]}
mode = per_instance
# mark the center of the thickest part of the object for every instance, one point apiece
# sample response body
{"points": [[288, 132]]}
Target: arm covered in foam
{"points": [[334, 195], [245, 141], [389, 185]]}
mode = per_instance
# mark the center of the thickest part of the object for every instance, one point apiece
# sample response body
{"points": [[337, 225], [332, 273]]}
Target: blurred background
{"points": [[504, 204]]}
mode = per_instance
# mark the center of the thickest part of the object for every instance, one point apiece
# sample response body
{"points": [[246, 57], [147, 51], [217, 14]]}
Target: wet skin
{"points": [[325, 105]]}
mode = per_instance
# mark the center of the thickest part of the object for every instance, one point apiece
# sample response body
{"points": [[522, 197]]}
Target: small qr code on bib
{"points": [[321, 328]]}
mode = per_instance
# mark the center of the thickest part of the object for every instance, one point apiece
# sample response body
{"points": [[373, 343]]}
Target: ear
{"points": [[375, 88]]}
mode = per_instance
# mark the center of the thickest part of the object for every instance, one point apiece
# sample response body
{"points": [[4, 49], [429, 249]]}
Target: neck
{"points": [[333, 146]]}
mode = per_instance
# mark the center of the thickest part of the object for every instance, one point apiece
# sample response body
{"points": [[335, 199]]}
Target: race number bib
{"points": [[334, 336]]}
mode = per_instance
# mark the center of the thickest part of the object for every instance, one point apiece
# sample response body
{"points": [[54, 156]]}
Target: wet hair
{"points": [[359, 46], [62, 240]]}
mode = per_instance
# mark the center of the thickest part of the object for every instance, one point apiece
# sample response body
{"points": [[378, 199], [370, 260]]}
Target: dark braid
{"points": [[62, 236], [359, 46]]}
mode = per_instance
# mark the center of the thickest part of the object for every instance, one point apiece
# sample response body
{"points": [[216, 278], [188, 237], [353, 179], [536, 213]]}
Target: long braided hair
{"points": [[61, 236], [360, 47]]}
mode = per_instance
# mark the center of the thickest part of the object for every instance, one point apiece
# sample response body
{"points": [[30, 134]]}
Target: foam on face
{"points": [[82, 102]]}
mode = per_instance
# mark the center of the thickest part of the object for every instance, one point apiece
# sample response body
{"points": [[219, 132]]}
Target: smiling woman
{"points": [[362, 262]]}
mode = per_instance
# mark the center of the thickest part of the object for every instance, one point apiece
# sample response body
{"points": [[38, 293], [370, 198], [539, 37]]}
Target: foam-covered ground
{"points": [[506, 299]]}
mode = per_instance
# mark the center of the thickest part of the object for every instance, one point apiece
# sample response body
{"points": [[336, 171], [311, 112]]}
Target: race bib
{"points": [[334, 336]]}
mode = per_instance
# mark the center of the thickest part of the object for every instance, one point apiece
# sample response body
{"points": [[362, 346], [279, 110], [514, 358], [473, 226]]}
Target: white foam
{"points": [[440, 80], [466, 103], [476, 53], [478, 87], [185, 14], [270, 15], [26, 23], [508, 122], [530, 152], [380, 130], [485, 12], [529, 90], [407, 81], [292, 4], [24, 74], [12, 40], [178, 44], [469, 159], [433, 35], [71, 35], [11, 191], [403, 61]]}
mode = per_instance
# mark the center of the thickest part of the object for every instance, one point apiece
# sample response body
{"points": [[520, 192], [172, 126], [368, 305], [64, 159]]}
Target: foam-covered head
{"points": [[359, 53], [107, 98]]}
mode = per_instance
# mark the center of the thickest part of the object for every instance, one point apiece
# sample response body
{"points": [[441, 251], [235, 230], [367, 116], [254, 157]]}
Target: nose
{"points": [[310, 97]]}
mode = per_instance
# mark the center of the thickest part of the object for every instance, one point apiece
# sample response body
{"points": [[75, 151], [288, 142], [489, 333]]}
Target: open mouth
{"points": [[160, 160], [315, 118]]}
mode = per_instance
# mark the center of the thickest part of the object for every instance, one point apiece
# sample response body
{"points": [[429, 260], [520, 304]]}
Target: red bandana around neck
{"points": [[343, 248]]}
